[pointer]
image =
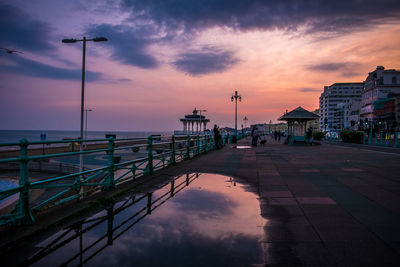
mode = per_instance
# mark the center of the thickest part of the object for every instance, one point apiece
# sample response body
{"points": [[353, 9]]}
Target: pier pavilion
{"points": [[297, 124], [194, 123]]}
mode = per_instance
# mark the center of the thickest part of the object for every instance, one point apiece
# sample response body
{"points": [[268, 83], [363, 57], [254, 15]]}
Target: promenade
{"points": [[324, 205]]}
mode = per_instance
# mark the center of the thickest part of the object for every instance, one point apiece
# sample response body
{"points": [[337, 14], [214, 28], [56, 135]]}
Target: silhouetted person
{"points": [[217, 137], [254, 136], [309, 135], [279, 135]]}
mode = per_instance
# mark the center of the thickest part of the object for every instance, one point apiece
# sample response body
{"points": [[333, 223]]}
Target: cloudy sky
{"points": [[164, 58]]}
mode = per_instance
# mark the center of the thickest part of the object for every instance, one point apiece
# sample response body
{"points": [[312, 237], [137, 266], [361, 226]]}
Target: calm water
{"points": [[16, 135], [206, 220]]}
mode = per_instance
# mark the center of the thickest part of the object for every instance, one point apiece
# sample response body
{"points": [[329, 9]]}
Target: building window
{"points": [[394, 80]]}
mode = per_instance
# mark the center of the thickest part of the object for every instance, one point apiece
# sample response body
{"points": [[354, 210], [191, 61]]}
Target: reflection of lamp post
{"points": [[236, 97], [86, 112], [200, 119], [84, 40]]}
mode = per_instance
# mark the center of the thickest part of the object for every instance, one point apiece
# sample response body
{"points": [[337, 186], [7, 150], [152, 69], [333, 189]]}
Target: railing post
{"points": [[387, 139], [396, 139], [198, 144], [24, 208], [110, 183], [150, 154], [188, 147], [364, 135], [172, 157]]}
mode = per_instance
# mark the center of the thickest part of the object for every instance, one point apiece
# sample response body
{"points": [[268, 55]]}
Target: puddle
{"points": [[194, 220], [241, 147]]}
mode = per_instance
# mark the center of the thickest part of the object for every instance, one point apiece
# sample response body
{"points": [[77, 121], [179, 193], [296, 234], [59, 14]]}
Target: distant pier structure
{"points": [[193, 123]]}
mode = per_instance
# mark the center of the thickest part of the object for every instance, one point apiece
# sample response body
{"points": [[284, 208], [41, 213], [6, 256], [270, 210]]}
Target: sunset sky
{"points": [[164, 58]]}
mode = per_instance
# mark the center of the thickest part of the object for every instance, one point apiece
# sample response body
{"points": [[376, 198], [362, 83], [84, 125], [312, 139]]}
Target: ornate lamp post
{"points": [[235, 97]]}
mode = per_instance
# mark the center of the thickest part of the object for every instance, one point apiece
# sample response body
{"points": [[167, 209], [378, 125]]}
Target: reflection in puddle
{"points": [[241, 147], [207, 220]]}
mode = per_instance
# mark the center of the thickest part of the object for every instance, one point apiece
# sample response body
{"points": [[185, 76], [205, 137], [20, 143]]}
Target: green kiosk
{"points": [[297, 125]]}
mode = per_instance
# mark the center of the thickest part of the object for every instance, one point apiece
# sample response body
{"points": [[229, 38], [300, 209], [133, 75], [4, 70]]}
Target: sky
{"points": [[165, 58]]}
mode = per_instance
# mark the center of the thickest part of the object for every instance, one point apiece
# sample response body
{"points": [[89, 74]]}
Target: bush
{"points": [[317, 135], [355, 137]]}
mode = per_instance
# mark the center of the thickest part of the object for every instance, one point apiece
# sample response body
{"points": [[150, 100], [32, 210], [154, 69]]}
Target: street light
{"points": [[84, 40], [86, 112], [201, 110], [245, 121], [236, 97]]}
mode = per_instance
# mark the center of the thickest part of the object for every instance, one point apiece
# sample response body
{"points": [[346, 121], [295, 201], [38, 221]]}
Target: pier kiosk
{"points": [[297, 125]]}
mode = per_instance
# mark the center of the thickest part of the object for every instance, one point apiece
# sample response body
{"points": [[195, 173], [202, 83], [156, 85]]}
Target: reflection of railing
{"points": [[162, 151], [77, 230]]}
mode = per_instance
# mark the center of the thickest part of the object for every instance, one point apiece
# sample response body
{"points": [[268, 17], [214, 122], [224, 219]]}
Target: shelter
{"points": [[189, 121], [297, 124]]}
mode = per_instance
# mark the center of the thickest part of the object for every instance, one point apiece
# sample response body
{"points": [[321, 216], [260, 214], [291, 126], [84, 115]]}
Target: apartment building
{"points": [[379, 96], [334, 105]]}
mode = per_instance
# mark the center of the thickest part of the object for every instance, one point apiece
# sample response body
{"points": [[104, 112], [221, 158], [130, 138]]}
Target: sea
{"points": [[9, 136]]}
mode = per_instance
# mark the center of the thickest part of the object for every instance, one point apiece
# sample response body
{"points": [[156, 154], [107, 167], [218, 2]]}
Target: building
{"points": [[353, 115], [378, 104], [333, 104]]}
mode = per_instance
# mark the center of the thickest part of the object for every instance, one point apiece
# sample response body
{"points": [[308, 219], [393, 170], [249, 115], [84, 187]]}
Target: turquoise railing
{"points": [[159, 152]]}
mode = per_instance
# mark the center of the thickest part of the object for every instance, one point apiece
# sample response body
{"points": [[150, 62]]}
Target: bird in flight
{"points": [[10, 51]]}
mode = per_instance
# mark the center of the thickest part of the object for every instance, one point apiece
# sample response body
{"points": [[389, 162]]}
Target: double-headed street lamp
{"points": [[84, 40], [235, 97]]}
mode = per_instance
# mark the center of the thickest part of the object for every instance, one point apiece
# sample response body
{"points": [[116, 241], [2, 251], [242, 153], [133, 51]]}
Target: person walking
{"points": [[254, 135]]}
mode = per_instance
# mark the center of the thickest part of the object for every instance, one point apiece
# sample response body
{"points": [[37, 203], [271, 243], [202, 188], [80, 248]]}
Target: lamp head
{"points": [[69, 40], [100, 39]]}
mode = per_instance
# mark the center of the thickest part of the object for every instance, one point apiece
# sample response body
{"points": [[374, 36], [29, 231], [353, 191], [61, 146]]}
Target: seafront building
{"points": [[334, 105], [380, 99]]}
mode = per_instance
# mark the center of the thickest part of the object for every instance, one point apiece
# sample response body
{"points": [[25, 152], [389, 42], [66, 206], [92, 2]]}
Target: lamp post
{"points": [[245, 121], [235, 97], [86, 112], [83, 40], [200, 119]]}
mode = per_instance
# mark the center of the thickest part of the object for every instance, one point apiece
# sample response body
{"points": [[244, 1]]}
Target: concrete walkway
{"points": [[324, 205]]}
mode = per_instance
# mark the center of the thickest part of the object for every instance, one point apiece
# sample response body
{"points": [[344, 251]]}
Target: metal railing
{"points": [[122, 163]]}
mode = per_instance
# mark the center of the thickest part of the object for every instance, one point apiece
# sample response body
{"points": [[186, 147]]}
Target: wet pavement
{"points": [[325, 205], [193, 220]]}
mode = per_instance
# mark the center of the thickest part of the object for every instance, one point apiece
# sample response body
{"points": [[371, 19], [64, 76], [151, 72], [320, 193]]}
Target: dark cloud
{"points": [[129, 44], [345, 69], [19, 31], [318, 16], [309, 90], [205, 61], [24, 66], [330, 66]]}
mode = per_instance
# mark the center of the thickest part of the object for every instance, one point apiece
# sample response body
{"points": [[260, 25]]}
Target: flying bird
{"points": [[10, 51]]}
